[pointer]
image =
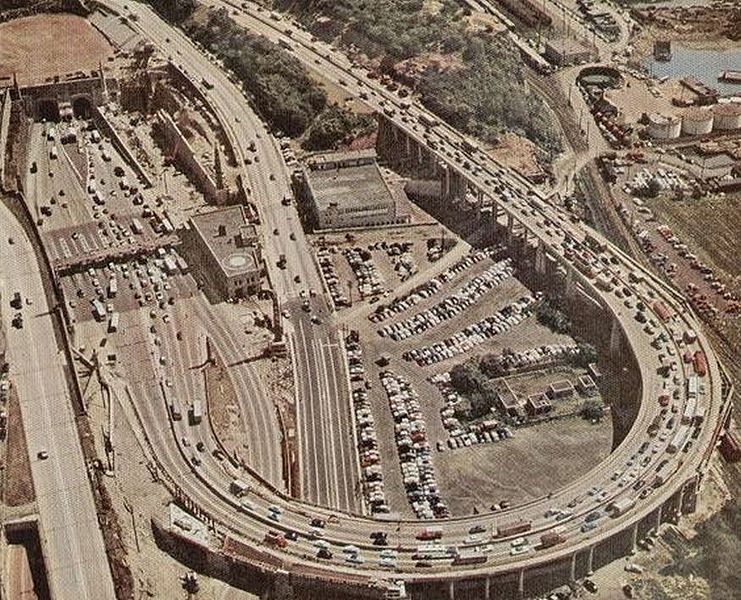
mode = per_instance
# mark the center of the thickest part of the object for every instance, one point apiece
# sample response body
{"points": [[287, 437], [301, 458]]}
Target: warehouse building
{"points": [[565, 51], [346, 190], [227, 251]]}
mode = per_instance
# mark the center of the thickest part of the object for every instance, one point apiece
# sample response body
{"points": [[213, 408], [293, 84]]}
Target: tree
{"points": [[592, 410]]}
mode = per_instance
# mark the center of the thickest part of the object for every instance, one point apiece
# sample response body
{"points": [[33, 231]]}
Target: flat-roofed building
{"points": [[538, 404], [347, 190], [507, 400], [586, 386], [564, 51], [561, 389], [228, 251]]}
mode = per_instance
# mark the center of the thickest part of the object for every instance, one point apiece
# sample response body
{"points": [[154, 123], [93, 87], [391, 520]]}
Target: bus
{"points": [[470, 557], [98, 310], [113, 323]]}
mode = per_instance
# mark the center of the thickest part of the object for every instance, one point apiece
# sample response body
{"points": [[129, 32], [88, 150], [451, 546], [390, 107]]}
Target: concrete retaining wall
{"points": [[105, 127]]}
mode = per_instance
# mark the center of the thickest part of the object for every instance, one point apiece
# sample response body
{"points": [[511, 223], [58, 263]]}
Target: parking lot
{"points": [[367, 265], [397, 406]]}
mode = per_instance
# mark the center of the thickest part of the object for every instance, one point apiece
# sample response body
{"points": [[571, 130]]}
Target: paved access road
{"points": [[73, 548], [322, 389]]}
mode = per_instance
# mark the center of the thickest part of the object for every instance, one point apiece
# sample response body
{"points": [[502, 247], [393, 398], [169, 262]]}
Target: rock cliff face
{"points": [[721, 20]]}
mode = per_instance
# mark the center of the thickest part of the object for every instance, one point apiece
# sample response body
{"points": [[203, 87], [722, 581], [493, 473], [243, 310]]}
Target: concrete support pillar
{"points": [[540, 258], [590, 561], [407, 146], [446, 181], [680, 500], [633, 538], [570, 281], [420, 154], [451, 591], [658, 518], [572, 575], [615, 337], [487, 589], [521, 584]]}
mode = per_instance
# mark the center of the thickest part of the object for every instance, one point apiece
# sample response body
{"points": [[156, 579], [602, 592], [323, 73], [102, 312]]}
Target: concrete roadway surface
{"points": [[74, 554], [528, 208], [268, 179]]}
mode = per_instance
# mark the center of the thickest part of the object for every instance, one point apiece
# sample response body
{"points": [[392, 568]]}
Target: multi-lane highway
{"points": [[596, 489], [74, 553], [322, 392]]}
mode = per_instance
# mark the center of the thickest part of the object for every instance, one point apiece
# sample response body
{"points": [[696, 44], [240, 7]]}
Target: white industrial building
{"points": [[346, 190]]}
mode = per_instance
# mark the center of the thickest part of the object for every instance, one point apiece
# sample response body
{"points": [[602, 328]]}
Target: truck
{"points": [[621, 506], [112, 287], [136, 226], [273, 538], [196, 412], [113, 323], [552, 538], [427, 121], [239, 488], [53, 152], [207, 84], [433, 532], [175, 412], [17, 301], [513, 528], [170, 265]]}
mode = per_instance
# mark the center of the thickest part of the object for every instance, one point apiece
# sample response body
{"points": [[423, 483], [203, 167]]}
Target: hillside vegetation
{"points": [[482, 91]]}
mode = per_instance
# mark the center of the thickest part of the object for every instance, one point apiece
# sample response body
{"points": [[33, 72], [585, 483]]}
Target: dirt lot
{"points": [[521, 468], [517, 153], [30, 47], [19, 485], [635, 97]]}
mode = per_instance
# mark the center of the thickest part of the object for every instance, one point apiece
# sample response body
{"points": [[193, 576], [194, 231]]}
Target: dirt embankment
{"points": [[713, 27], [18, 489]]}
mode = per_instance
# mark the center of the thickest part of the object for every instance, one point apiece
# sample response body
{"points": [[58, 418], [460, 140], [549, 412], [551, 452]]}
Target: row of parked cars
{"points": [[370, 281], [326, 266], [365, 428], [539, 356], [429, 288], [464, 435], [451, 306], [413, 447], [471, 336]]}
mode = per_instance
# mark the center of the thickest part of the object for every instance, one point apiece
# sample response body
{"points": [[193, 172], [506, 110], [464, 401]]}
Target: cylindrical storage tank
{"points": [[727, 117], [697, 122], [663, 127]]}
